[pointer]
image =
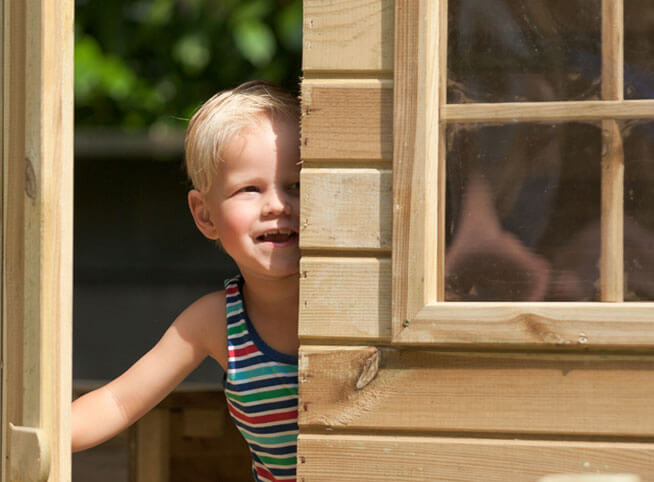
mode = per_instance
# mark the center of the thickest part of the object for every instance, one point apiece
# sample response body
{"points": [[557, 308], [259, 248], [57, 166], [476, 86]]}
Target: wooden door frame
{"points": [[37, 237]]}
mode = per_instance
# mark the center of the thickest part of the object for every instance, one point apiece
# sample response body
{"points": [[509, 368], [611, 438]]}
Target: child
{"points": [[242, 155]]}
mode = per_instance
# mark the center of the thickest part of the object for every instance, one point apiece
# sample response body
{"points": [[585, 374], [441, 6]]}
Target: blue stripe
{"points": [[264, 407], [289, 383], [268, 430], [285, 450], [275, 472]]}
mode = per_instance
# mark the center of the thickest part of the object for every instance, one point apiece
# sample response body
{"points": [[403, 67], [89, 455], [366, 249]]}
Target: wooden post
{"points": [[612, 229], [150, 447], [37, 237]]}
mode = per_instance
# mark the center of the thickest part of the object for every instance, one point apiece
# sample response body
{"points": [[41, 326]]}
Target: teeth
{"points": [[278, 232]]}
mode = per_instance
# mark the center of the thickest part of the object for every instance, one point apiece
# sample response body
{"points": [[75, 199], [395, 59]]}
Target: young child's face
{"points": [[254, 200]]}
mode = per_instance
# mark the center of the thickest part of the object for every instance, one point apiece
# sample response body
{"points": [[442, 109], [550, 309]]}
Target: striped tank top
{"points": [[261, 388]]}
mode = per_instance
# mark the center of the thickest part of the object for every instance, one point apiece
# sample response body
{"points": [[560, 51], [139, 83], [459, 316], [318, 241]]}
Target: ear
{"points": [[202, 215]]}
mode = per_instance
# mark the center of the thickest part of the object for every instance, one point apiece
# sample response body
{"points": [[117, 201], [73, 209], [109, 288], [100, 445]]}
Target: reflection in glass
{"points": [[639, 210], [523, 212], [523, 50], [639, 49]]}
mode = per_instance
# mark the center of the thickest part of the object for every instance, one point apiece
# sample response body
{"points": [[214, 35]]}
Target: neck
{"points": [[278, 299]]}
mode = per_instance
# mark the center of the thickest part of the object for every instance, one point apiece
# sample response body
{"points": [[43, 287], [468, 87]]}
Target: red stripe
{"points": [[262, 472], [232, 289], [246, 350], [272, 417]]}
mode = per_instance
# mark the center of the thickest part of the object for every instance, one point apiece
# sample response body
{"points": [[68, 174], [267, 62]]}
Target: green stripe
{"points": [[276, 440], [265, 370], [237, 329], [272, 460], [236, 307], [260, 396]]}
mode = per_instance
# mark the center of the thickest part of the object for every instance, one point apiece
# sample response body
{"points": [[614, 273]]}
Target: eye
{"points": [[248, 189]]}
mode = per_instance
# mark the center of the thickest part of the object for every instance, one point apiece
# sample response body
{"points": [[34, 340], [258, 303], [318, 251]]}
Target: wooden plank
{"points": [[347, 35], [347, 119], [346, 209], [582, 325], [48, 162], [401, 458], [3, 360], [612, 206], [590, 478], [587, 110], [417, 176], [150, 447], [405, 123], [345, 298], [368, 388]]}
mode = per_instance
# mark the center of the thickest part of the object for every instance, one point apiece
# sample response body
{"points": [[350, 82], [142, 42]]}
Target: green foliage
{"points": [[150, 63]]}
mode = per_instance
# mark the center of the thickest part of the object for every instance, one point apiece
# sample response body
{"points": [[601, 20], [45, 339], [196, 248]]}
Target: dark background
{"points": [[142, 67]]}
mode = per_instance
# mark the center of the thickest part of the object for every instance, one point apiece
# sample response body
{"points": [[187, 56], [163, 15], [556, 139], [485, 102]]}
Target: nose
{"points": [[277, 202]]}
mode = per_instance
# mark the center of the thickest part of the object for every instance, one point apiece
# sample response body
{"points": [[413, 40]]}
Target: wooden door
{"points": [[409, 370], [37, 226]]}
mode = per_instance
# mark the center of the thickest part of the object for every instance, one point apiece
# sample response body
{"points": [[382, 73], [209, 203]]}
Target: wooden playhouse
{"points": [[476, 225], [433, 346]]}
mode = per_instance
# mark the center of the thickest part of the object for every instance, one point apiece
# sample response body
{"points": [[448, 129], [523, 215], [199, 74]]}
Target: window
{"points": [[523, 161]]}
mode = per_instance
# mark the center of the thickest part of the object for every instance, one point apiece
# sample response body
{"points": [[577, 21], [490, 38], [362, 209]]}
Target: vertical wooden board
{"points": [[345, 298], [360, 458], [2, 237], [13, 148], [401, 390], [48, 224], [347, 120], [150, 447], [348, 35], [346, 209]]}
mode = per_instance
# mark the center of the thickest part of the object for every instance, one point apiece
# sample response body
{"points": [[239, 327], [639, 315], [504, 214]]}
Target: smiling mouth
{"points": [[278, 236]]}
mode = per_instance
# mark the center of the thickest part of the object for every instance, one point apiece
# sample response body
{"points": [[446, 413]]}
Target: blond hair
{"points": [[224, 115]]}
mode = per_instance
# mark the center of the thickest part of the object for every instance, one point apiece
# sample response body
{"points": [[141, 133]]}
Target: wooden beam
{"points": [[347, 35], [368, 388], [48, 162], [150, 447], [345, 298], [573, 111], [347, 119], [13, 127], [442, 459], [346, 209], [538, 324], [612, 206]]}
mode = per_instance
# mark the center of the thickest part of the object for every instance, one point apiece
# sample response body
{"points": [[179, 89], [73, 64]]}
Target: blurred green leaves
{"points": [[150, 63]]}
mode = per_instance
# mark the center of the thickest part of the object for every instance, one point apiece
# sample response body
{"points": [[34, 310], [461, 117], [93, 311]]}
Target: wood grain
{"points": [[588, 110], [347, 35], [402, 458], [346, 209], [150, 447], [612, 205], [538, 324], [347, 119], [516, 393], [345, 298], [13, 285], [49, 216]]}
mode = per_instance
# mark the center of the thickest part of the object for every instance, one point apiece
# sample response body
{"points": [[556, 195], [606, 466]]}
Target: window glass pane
{"points": [[639, 210], [523, 50], [639, 49], [522, 212]]}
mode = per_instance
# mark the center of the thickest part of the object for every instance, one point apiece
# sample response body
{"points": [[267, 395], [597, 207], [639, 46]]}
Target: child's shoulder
{"points": [[207, 324]]}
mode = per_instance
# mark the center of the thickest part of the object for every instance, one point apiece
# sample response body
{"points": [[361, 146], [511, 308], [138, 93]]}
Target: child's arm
{"points": [[199, 331]]}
